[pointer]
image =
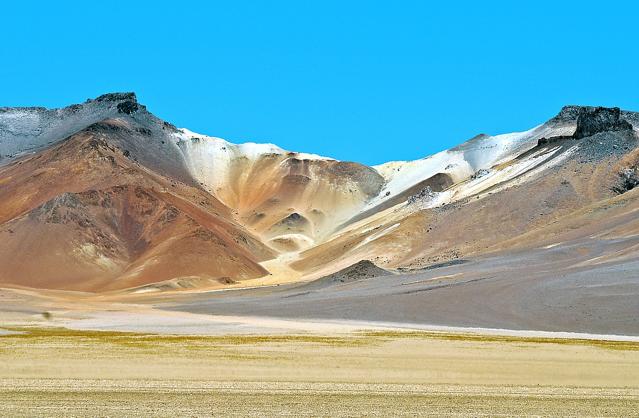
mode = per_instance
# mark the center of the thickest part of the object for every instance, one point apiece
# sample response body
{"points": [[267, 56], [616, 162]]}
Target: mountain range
{"points": [[104, 196]]}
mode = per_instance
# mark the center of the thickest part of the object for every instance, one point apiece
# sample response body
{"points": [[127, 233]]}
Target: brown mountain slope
{"points": [[116, 238], [82, 215]]}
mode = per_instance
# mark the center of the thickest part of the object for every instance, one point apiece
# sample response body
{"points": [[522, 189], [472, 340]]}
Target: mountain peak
{"points": [[570, 113], [115, 97], [27, 129], [126, 102]]}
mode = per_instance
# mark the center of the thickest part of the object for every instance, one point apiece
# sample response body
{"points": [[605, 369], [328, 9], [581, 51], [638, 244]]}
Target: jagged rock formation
{"points": [[591, 121]]}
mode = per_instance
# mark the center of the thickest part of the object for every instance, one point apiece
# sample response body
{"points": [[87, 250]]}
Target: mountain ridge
{"points": [[258, 214], [129, 104]]}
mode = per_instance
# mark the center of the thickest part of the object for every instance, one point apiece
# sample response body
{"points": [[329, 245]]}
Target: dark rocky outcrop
{"points": [[425, 194], [591, 121], [364, 269], [115, 97], [628, 180], [567, 114], [293, 220], [553, 139], [128, 107]]}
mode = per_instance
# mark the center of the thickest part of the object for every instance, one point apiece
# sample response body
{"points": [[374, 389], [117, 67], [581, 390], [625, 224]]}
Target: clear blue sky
{"points": [[363, 81]]}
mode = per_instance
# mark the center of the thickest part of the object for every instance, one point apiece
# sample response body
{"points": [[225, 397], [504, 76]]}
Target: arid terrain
{"points": [[356, 374], [130, 203], [149, 270]]}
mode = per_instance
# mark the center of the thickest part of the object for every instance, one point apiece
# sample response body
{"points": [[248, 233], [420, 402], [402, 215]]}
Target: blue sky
{"points": [[362, 81]]}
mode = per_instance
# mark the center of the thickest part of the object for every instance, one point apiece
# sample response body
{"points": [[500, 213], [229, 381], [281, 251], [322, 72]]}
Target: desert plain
{"points": [[94, 357]]}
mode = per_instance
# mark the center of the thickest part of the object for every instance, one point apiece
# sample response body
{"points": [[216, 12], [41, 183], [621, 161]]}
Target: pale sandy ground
{"points": [[26, 308], [183, 323], [69, 373], [259, 366]]}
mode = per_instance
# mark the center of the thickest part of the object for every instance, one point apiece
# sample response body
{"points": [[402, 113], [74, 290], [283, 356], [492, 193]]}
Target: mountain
{"points": [[104, 196]]}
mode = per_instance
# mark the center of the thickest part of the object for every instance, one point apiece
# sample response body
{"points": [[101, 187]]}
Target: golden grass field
{"points": [[55, 371]]}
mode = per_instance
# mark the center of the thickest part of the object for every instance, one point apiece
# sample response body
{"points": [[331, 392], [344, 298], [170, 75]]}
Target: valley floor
{"points": [[550, 331], [55, 371], [583, 286]]}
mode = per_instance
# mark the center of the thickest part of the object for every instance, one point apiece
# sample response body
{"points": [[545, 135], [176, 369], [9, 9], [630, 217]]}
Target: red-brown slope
{"points": [[115, 238], [83, 216]]}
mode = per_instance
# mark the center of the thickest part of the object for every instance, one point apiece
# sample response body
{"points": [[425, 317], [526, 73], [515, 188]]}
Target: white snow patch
{"points": [[481, 152], [251, 150], [214, 161]]}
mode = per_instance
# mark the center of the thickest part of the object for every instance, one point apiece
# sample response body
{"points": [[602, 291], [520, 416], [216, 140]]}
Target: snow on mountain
{"points": [[213, 161], [217, 163], [210, 158], [461, 162], [261, 178], [251, 150]]}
